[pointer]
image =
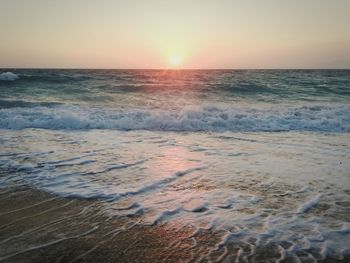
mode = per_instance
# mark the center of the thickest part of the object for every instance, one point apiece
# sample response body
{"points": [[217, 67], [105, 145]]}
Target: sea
{"points": [[262, 156]]}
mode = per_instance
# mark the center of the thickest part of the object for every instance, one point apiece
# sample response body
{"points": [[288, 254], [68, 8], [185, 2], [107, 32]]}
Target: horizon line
{"points": [[170, 69]]}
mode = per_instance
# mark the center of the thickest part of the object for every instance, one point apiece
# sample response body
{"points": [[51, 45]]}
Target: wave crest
{"points": [[8, 76], [201, 118]]}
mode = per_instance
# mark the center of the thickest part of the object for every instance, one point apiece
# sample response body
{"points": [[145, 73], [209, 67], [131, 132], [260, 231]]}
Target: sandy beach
{"points": [[40, 227]]}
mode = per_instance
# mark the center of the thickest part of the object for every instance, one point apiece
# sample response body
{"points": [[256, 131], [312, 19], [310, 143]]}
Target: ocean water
{"points": [[262, 156]]}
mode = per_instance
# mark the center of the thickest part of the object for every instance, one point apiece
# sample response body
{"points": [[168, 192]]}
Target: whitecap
{"points": [[8, 76]]}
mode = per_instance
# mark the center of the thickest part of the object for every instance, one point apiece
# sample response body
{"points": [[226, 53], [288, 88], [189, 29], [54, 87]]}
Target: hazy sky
{"points": [[161, 33]]}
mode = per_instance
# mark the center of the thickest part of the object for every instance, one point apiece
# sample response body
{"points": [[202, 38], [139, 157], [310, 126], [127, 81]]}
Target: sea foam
{"points": [[279, 199], [196, 118]]}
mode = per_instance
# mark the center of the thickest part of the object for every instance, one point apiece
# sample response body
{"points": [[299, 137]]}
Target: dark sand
{"points": [[40, 227]]}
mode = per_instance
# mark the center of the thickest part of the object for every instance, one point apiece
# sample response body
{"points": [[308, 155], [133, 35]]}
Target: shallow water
{"points": [[260, 188], [261, 157]]}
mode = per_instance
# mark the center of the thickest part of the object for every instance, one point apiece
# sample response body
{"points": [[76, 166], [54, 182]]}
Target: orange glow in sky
{"points": [[196, 34]]}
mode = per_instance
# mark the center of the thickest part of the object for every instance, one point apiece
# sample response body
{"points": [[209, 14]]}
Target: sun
{"points": [[175, 60]]}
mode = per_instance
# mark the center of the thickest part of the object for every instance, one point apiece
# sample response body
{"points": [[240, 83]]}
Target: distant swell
{"points": [[200, 118]]}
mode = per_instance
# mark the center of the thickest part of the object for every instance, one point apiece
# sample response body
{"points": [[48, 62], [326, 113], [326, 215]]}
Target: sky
{"points": [[213, 34]]}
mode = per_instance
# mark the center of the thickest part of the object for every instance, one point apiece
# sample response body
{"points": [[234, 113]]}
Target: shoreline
{"points": [[38, 226], [35, 225]]}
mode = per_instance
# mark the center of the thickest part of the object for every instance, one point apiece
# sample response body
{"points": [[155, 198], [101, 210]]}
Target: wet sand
{"points": [[39, 227]]}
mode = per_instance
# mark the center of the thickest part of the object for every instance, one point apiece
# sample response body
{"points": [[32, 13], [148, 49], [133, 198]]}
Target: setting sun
{"points": [[175, 60]]}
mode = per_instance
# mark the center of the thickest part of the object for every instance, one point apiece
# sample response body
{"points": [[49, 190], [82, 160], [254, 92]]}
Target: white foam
{"points": [[302, 190], [260, 199], [309, 204], [8, 76], [199, 118]]}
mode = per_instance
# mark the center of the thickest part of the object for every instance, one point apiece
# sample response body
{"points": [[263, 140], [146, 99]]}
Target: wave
{"points": [[199, 118], [8, 76], [48, 76], [25, 104], [53, 77]]}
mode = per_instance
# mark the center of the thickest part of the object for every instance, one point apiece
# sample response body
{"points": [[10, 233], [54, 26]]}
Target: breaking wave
{"points": [[199, 118], [8, 76]]}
